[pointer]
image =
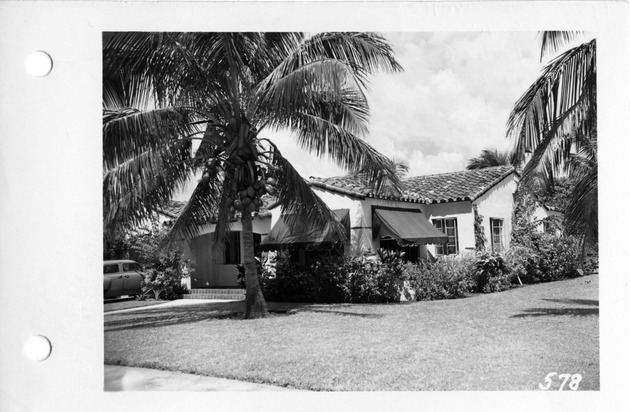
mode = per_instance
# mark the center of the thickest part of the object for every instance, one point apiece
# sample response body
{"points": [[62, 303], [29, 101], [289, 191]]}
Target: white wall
{"points": [[462, 211], [498, 204], [210, 274]]}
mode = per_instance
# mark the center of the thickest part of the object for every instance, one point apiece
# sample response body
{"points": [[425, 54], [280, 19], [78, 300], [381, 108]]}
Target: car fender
{"points": [[106, 283]]}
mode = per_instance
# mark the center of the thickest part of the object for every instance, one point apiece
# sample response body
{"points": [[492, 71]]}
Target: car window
{"points": [[128, 267], [111, 268]]}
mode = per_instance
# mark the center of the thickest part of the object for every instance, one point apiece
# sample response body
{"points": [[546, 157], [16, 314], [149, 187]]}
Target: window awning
{"points": [[303, 235], [406, 226]]}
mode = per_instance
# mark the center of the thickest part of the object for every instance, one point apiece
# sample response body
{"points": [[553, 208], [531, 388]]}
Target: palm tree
{"points": [[556, 120], [491, 158], [161, 91]]}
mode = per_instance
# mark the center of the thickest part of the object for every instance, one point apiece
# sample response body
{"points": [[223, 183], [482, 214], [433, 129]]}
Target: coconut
{"points": [[247, 201], [242, 194], [251, 192]]}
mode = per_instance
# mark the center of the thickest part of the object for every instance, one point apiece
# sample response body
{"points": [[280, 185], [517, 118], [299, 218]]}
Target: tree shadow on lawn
{"points": [[158, 317], [536, 312], [588, 302]]}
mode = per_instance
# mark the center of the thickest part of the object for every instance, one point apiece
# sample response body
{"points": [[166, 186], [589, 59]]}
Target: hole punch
{"points": [[39, 63], [38, 348]]}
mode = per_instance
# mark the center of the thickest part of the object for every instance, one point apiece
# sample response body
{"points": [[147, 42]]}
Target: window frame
{"points": [[501, 235], [450, 248], [107, 265]]}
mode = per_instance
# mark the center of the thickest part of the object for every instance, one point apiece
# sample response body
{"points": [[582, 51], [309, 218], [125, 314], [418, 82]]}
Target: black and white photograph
{"points": [[298, 212], [361, 197]]}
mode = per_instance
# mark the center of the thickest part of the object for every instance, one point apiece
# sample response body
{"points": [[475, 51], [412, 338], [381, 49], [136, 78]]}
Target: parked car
{"points": [[122, 277]]}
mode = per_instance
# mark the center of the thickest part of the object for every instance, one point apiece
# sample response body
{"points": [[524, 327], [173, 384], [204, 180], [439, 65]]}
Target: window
{"points": [[496, 229], [411, 252], [112, 268], [233, 249], [449, 228], [129, 267]]}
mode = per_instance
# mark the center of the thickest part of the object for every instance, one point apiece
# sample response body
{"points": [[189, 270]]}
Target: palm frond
{"points": [[581, 214], [491, 158], [201, 209], [324, 138], [551, 41], [323, 81], [297, 199], [130, 132], [364, 53], [135, 189], [560, 107]]}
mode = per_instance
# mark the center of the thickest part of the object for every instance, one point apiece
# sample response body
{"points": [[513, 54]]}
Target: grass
{"points": [[501, 341], [119, 304]]}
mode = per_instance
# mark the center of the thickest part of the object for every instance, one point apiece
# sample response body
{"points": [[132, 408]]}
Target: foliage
{"points": [[449, 277], [491, 273], [335, 279], [546, 257], [164, 278], [164, 268], [556, 121], [224, 89], [492, 158], [480, 236]]}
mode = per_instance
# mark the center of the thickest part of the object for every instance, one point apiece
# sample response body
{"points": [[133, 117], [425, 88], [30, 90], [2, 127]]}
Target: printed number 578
{"points": [[573, 385]]}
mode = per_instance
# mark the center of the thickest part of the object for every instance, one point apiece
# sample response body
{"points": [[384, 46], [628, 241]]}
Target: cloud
{"points": [[455, 96]]}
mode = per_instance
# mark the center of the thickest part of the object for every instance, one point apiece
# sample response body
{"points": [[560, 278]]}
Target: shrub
{"points": [[559, 257], [164, 277], [449, 277], [544, 257], [491, 273], [165, 268], [376, 280], [522, 262], [334, 279]]}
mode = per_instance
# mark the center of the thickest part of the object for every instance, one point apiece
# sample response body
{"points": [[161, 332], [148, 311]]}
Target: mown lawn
{"points": [[502, 341]]}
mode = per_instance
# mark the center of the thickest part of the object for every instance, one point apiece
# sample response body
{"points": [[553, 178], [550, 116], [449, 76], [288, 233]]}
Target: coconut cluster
{"points": [[250, 198]]}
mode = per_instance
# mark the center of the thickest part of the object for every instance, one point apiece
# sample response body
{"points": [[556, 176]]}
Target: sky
{"points": [[452, 101]]}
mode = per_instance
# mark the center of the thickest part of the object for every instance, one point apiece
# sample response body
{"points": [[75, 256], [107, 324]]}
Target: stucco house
{"points": [[435, 215]]}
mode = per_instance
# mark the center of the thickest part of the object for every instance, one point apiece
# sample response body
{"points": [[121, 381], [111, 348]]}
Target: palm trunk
{"points": [[255, 305]]}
